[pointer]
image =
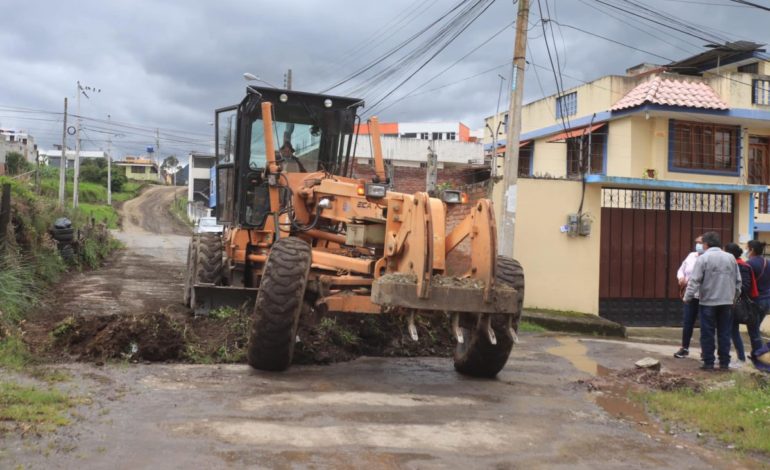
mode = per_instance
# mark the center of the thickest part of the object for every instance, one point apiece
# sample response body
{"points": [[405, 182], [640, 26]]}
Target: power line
{"points": [[751, 4], [612, 40]]}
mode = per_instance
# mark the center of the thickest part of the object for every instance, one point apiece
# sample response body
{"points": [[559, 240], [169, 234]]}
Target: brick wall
{"points": [[463, 178]]}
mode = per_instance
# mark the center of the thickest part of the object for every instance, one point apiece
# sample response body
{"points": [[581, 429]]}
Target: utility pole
{"points": [[288, 79], [109, 165], [63, 161], [431, 172], [495, 169], [77, 154], [505, 229], [157, 152]]}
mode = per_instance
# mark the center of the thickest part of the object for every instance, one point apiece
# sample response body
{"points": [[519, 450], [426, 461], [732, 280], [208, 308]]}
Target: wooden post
{"points": [[5, 214]]}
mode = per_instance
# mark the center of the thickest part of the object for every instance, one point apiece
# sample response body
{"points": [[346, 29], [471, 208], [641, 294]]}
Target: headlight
{"points": [[451, 196], [376, 190]]}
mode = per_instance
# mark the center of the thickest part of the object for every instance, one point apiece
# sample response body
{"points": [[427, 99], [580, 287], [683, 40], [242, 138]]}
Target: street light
{"points": [[250, 77]]}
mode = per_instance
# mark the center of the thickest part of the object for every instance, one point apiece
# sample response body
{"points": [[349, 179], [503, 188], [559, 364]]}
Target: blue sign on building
{"points": [[213, 187]]}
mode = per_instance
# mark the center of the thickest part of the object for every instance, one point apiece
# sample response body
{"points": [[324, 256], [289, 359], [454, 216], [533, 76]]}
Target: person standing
{"points": [[748, 289], [690, 309], [758, 264], [717, 279]]}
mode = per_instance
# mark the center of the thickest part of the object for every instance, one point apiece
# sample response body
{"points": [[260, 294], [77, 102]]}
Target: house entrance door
{"points": [[645, 236], [759, 167]]}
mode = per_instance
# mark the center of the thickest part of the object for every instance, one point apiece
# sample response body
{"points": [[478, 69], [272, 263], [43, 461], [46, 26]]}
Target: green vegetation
{"points": [[736, 412], [14, 354], [223, 313], [179, 210], [17, 164], [44, 410], [527, 327], [129, 191], [337, 333]]}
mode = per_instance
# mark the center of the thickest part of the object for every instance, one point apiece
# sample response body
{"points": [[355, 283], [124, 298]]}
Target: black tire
{"points": [[208, 265], [67, 253], [477, 357], [63, 237], [279, 304], [62, 231]]}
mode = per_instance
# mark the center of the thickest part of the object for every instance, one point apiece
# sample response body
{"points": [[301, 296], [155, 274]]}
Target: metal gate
{"points": [[645, 236]]}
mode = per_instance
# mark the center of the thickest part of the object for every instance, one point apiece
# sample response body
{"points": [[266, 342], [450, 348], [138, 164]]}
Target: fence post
{"points": [[5, 214]]}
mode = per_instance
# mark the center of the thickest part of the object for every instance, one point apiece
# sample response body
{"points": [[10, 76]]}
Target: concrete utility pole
{"points": [[109, 165], [495, 126], [506, 226], [431, 172], [63, 161], [288, 79], [157, 152]]}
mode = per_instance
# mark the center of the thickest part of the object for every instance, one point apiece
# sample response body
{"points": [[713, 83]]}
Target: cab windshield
{"points": [[297, 145]]}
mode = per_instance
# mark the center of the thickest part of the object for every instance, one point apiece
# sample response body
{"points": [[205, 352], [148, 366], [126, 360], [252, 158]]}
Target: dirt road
{"points": [[370, 413], [145, 276]]}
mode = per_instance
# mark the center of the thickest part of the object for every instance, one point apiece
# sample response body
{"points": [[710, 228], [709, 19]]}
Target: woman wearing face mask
{"points": [[749, 289], [690, 309], [759, 264]]}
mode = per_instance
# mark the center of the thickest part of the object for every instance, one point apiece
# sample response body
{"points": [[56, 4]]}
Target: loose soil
{"points": [[131, 309]]}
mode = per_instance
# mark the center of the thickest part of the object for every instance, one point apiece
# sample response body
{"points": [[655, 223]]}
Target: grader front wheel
{"points": [[278, 306], [477, 356]]}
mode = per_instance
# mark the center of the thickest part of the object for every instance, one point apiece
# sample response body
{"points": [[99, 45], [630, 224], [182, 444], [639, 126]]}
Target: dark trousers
{"points": [[754, 333], [738, 341], [688, 322], [716, 319]]}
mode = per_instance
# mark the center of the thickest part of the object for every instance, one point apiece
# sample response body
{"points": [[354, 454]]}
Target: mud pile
{"points": [[150, 336], [642, 378]]}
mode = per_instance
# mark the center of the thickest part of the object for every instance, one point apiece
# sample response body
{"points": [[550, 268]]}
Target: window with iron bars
{"points": [[566, 105], [593, 147], [704, 146], [760, 92], [525, 159]]}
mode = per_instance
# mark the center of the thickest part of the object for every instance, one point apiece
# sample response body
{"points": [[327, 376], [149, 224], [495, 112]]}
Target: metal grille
{"points": [[616, 198], [702, 202]]}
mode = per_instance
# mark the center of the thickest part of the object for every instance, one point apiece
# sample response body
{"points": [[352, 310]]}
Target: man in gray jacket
{"points": [[717, 280]]}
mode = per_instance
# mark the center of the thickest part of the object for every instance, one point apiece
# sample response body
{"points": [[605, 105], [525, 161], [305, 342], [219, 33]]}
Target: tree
{"points": [[170, 164], [16, 163]]}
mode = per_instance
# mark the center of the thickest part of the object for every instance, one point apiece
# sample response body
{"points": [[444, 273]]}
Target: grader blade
{"points": [[457, 296]]}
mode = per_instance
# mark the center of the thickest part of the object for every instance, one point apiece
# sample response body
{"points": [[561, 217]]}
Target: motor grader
{"points": [[302, 235]]}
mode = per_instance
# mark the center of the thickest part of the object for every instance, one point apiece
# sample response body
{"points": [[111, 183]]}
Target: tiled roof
{"points": [[671, 92]]}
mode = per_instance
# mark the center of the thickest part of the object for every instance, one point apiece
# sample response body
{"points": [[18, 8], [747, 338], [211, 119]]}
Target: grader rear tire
{"points": [[278, 306], [477, 357]]}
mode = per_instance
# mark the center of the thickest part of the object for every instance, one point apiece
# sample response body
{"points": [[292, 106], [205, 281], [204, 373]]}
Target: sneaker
{"points": [[737, 364], [725, 366], [708, 367], [682, 353]]}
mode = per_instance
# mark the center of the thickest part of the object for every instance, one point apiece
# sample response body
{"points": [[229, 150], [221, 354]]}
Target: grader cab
{"points": [[301, 234]]}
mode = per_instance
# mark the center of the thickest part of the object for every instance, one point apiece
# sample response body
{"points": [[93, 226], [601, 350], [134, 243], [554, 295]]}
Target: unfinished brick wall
{"points": [[411, 180]]}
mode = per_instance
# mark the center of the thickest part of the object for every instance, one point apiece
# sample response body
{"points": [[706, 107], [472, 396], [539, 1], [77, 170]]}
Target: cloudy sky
{"points": [[169, 64]]}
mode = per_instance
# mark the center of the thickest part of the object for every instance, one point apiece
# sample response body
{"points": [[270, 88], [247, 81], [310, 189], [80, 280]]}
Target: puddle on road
{"points": [[576, 352], [613, 397]]}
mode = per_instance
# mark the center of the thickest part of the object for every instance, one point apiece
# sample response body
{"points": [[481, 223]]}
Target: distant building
{"points": [[199, 184], [138, 168], [456, 131], [17, 141], [53, 157]]}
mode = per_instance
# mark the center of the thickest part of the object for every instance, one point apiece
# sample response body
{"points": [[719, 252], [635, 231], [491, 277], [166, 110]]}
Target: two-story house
{"points": [[619, 175]]}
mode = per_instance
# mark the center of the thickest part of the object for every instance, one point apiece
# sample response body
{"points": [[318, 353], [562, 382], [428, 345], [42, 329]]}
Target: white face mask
{"points": [[699, 248]]}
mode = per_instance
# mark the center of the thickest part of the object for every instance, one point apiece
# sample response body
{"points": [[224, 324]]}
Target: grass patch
{"points": [[179, 210], [14, 354], [101, 213], [129, 191], [738, 413], [338, 334], [223, 313], [44, 410], [564, 313], [528, 327]]}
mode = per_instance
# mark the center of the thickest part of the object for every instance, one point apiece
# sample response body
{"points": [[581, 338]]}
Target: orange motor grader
{"points": [[301, 234]]}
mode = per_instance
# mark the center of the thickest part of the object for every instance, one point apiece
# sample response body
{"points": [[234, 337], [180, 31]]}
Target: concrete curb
{"points": [[575, 323]]}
